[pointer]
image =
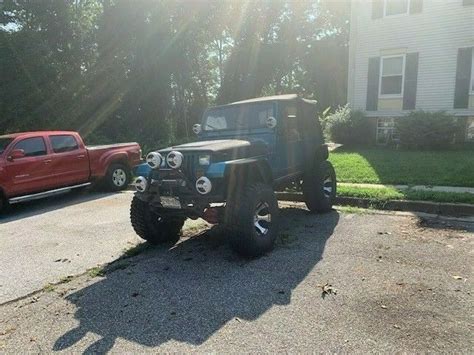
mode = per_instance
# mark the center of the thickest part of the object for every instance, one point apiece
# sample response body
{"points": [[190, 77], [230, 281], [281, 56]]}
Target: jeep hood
{"points": [[212, 145], [241, 148]]}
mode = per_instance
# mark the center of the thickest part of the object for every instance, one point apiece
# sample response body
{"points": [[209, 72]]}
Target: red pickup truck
{"points": [[38, 164]]}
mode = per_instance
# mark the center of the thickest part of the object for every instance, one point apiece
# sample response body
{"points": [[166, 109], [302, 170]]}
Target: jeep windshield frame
{"points": [[238, 117]]}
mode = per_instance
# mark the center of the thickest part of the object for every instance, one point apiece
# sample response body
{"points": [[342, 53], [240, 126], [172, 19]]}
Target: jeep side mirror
{"points": [[271, 122], [16, 154], [197, 128]]}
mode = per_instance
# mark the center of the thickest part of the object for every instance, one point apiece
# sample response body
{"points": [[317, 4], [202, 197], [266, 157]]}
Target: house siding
{"points": [[435, 34]]}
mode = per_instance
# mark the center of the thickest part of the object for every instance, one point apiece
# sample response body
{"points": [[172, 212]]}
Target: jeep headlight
{"points": [[204, 159], [203, 185], [174, 159], [140, 184], [154, 160]]}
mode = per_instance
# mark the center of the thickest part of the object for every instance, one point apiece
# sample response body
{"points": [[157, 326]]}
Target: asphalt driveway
{"points": [[392, 283], [44, 241]]}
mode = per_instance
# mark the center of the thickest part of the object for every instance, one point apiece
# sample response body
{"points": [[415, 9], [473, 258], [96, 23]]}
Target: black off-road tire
{"points": [[315, 181], [151, 227], [243, 235], [113, 182]]}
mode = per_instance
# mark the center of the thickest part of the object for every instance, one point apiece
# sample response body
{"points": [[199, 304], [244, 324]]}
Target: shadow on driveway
{"points": [[38, 207], [189, 292]]}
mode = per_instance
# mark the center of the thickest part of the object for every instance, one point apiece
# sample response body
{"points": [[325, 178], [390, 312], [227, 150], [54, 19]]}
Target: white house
{"points": [[411, 54]]}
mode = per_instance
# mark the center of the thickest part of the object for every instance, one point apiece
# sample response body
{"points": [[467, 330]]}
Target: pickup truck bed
{"points": [[108, 146]]}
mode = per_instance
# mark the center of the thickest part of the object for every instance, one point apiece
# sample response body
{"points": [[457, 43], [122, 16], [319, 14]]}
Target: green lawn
{"points": [[384, 194], [388, 166]]}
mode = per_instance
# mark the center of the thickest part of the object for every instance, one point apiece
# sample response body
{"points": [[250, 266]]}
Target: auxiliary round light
{"points": [[141, 184], [197, 128], [203, 185], [154, 160], [174, 159]]}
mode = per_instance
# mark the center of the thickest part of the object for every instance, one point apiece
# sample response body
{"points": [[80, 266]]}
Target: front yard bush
{"points": [[347, 127], [427, 130]]}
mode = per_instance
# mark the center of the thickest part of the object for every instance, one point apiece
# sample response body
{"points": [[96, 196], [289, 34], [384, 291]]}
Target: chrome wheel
{"points": [[328, 186], [119, 177], [262, 218]]}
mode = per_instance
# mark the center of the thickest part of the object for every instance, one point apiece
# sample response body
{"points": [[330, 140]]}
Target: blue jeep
{"points": [[246, 150]]}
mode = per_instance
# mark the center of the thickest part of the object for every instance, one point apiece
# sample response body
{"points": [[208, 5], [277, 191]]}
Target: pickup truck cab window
{"points": [[32, 147], [63, 143]]}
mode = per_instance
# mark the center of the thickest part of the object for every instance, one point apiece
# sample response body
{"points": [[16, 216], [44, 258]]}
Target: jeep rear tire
{"points": [[153, 228], [319, 187], [117, 177], [252, 220]]}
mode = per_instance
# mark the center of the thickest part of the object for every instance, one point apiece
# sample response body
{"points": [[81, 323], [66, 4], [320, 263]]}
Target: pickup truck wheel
{"points": [[319, 187], [117, 177], [153, 228], [252, 220]]}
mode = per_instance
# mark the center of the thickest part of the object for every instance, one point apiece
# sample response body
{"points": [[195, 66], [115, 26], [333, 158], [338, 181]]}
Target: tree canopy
{"points": [[145, 70]]}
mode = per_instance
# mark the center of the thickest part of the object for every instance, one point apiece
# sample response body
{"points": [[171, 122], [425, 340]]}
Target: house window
{"points": [[396, 7], [391, 76]]}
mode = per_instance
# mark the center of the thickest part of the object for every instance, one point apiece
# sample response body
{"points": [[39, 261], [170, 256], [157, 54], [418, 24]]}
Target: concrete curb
{"points": [[447, 209], [450, 189]]}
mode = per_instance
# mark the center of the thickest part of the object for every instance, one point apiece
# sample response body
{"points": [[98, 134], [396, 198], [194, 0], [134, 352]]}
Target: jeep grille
{"points": [[189, 165]]}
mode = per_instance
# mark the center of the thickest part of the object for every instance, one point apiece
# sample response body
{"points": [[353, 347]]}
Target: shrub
{"points": [[427, 130], [348, 127]]}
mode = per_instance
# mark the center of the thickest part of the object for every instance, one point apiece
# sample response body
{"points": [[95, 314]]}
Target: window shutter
{"points": [[463, 78], [416, 6], [377, 9], [468, 2], [373, 84], [411, 79]]}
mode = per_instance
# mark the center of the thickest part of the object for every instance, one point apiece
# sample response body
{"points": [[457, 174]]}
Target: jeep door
{"points": [[32, 172]]}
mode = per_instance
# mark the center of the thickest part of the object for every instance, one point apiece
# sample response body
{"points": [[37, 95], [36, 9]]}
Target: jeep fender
{"points": [[242, 171]]}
